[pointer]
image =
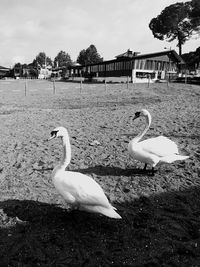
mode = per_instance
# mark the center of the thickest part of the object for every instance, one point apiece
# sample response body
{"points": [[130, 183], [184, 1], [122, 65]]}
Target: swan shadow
{"points": [[106, 170], [113, 171]]}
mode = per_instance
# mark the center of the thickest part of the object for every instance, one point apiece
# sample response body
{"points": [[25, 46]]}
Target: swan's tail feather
{"points": [[107, 211], [172, 158]]}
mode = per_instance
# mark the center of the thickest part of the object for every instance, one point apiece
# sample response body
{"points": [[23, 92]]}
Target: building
{"points": [[4, 72], [197, 70], [134, 67]]}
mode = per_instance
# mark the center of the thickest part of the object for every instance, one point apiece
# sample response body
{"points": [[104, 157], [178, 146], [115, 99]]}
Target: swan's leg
{"points": [[152, 171], [145, 167]]}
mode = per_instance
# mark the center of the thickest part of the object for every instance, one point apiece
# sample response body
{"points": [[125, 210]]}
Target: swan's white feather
{"points": [[153, 150], [76, 188], [109, 212], [173, 157], [81, 188], [160, 146]]}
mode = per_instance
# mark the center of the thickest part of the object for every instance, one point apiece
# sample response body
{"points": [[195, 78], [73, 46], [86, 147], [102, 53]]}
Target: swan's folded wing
{"points": [[160, 146], [84, 189]]}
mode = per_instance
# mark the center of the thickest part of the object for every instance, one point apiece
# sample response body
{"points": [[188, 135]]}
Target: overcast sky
{"points": [[28, 27]]}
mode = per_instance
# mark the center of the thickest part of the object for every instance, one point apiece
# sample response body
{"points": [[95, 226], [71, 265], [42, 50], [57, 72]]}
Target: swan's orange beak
{"points": [[50, 138], [134, 118]]}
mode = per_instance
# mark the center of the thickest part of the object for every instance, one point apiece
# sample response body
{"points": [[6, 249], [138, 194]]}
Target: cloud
{"points": [[50, 26], [17, 59]]}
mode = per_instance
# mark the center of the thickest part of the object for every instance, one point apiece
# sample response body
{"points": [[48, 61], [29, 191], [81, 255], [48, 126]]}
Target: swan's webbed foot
{"points": [[152, 169]]}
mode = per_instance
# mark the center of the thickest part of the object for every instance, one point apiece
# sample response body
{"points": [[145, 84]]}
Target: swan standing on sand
{"points": [[153, 150], [77, 189]]}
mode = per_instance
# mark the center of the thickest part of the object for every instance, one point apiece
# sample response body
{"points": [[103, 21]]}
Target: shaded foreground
{"points": [[157, 231], [161, 214]]}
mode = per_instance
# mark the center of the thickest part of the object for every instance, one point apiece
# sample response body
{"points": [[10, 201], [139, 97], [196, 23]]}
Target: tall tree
{"points": [[195, 13], [192, 59], [81, 59], [174, 23], [62, 59], [18, 69], [89, 56], [42, 60]]}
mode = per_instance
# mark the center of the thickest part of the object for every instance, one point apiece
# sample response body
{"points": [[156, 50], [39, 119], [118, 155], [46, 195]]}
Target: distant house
{"points": [[133, 66], [4, 71], [45, 72], [197, 70]]}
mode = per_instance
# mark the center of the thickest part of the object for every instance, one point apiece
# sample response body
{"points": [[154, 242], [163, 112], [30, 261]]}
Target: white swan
{"points": [[153, 150], [77, 189]]}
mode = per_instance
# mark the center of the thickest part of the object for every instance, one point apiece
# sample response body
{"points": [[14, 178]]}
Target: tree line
{"points": [[62, 60]]}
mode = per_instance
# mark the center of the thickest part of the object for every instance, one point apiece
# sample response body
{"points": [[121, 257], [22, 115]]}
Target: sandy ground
{"points": [[161, 214]]}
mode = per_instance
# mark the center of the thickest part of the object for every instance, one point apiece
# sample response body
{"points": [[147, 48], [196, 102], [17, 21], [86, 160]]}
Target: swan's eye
{"points": [[54, 133]]}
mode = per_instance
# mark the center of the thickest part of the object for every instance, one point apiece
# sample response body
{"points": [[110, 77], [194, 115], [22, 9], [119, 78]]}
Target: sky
{"points": [[28, 27]]}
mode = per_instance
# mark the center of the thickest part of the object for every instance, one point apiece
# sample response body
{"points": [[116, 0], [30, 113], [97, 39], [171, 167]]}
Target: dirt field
{"points": [[161, 213]]}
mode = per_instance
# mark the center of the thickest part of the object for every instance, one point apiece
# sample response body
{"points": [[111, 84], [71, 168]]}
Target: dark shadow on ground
{"points": [[107, 170], [116, 171], [161, 230]]}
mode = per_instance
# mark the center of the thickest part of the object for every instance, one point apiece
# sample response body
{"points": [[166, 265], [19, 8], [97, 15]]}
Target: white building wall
{"points": [[44, 73], [144, 79]]}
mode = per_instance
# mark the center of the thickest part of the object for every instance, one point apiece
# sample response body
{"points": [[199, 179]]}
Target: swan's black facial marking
{"points": [[54, 134], [137, 114]]}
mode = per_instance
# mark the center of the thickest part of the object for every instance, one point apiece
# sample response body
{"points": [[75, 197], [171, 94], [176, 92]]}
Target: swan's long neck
{"points": [[66, 152], [147, 125]]}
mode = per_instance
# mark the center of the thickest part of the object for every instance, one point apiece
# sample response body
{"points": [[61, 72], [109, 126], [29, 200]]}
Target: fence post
{"points": [[149, 80], [81, 85], [25, 88]]}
